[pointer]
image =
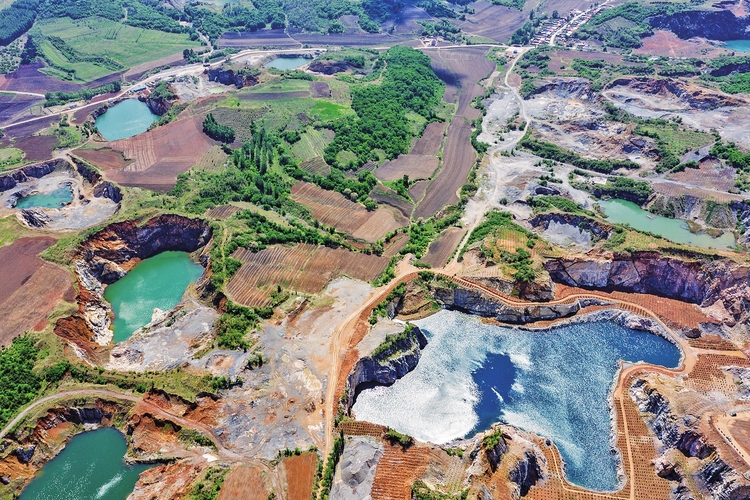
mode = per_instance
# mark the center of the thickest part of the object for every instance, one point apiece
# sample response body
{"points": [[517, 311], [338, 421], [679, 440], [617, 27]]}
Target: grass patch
{"points": [[328, 111], [10, 158]]}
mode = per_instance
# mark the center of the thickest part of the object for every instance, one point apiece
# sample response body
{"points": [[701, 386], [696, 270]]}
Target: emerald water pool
{"points": [[555, 383], [125, 119], [90, 467], [159, 281], [627, 212], [738, 45], [287, 63], [54, 199]]}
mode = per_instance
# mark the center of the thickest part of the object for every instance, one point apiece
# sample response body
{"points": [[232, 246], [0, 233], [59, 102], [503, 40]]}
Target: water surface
{"points": [[158, 281], [555, 383], [627, 212], [125, 119], [89, 468], [54, 199], [738, 45], [287, 63]]}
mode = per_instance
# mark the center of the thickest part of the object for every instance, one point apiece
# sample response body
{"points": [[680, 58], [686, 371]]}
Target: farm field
{"points": [[160, 154], [105, 158], [303, 268], [406, 20], [95, 36], [414, 165], [30, 288], [710, 175], [239, 120], [222, 211], [484, 21], [386, 195], [470, 66], [673, 189], [316, 166], [300, 473], [28, 78], [14, 106], [666, 43], [249, 39], [312, 143], [320, 89], [37, 147], [333, 209], [244, 481], [431, 140], [441, 249]]}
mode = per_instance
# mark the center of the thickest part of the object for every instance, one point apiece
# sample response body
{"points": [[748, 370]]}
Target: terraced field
{"points": [[333, 209], [312, 143], [304, 268]]}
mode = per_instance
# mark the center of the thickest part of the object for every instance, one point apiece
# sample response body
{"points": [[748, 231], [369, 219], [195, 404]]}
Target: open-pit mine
{"points": [[386, 250]]}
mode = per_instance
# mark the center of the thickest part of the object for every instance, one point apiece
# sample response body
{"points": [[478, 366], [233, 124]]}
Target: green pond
{"points": [[738, 45], [55, 199], [158, 281], [627, 212], [126, 119], [90, 467], [287, 63]]}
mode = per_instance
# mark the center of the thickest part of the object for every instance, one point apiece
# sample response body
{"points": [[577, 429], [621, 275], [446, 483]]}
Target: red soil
{"points": [[300, 474]]}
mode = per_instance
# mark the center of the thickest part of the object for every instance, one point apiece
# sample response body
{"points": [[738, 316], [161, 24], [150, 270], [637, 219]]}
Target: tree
{"points": [[555, 14]]}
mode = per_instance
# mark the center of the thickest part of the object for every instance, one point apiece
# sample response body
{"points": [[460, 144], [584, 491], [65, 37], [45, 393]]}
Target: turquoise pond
{"points": [[158, 281], [627, 212], [54, 199], [287, 63], [738, 45], [125, 119], [91, 467], [555, 383]]}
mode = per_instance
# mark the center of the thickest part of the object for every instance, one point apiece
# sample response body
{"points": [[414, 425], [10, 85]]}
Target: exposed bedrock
{"points": [[526, 473], [328, 67], [693, 95], [714, 475], [107, 255], [705, 283], [387, 365], [36, 171], [566, 88], [474, 302], [229, 77], [714, 25], [598, 230], [355, 472], [102, 188]]}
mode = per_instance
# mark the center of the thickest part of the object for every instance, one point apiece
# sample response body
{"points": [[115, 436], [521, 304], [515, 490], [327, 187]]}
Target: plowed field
{"points": [[161, 154], [30, 288], [320, 89], [247, 39], [105, 158], [333, 209], [494, 21], [246, 482], [303, 268], [415, 166], [432, 138], [441, 249], [470, 66], [300, 473]]}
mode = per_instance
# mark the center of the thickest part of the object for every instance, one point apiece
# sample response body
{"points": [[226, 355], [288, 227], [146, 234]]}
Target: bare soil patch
{"points": [[441, 249], [414, 165], [27, 78], [30, 288], [37, 147], [387, 196], [348, 39], [674, 190], [417, 190], [105, 158], [160, 154], [300, 473], [405, 21], [320, 89], [304, 268], [246, 482], [493, 21], [711, 175], [431, 140], [333, 209], [666, 43], [13, 107]]}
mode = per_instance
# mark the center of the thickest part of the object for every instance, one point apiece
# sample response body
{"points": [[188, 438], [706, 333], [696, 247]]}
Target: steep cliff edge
{"points": [[36, 171], [714, 25], [714, 476], [107, 255], [393, 359], [706, 283]]}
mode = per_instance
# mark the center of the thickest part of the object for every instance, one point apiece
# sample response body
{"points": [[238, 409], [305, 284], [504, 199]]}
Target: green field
{"points": [[10, 157], [98, 37], [311, 144]]}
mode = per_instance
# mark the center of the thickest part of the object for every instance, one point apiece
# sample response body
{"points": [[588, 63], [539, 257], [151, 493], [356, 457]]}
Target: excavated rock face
{"points": [[713, 474], [714, 25], [526, 473], [388, 365], [355, 471], [229, 77], [107, 255], [329, 67], [576, 88], [700, 282], [37, 171], [694, 96]]}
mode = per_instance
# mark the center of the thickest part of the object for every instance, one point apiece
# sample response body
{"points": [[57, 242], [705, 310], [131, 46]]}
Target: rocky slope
{"points": [[707, 470], [721, 283], [230, 77], [694, 96], [107, 255], [36, 171], [389, 363], [714, 25]]}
